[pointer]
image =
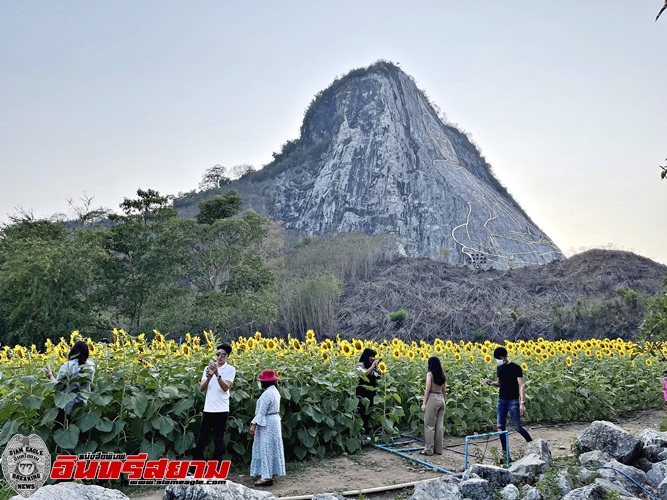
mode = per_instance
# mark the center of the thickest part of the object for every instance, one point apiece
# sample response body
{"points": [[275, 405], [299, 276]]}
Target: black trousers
{"points": [[59, 422], [215, 423], [363, 412]]}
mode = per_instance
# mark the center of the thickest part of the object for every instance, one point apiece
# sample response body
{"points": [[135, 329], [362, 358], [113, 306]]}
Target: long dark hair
{"points": [[79, 351], [435, 368], [366, 357]]}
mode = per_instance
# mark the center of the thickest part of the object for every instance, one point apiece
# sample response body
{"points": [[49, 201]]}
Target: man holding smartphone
{"points": [[216, 381]]}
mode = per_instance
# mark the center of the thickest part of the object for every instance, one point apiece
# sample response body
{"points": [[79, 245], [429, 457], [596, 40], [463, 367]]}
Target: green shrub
{"points": [[399, 317]]}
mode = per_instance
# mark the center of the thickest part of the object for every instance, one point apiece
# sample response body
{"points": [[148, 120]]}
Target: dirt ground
{"points": [[376, 468]]}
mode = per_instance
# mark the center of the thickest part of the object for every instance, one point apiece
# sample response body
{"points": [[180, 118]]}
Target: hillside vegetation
{"points": [[598, 293], [233, 273]]}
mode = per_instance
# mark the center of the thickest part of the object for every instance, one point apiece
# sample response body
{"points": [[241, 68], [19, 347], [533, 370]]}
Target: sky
{"points": [[566, 100]]}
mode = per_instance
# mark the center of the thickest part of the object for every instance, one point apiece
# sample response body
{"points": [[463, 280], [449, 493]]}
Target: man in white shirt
{"points": [[216, 381]]}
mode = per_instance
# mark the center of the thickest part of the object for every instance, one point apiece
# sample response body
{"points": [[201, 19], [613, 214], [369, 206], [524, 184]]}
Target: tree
{"points": [[654, 328], [85, 213], [149, 208], [141, 263], [219, 207], [311, 284], [220, 264], [239, 171], [48, 281], [214, 177]]}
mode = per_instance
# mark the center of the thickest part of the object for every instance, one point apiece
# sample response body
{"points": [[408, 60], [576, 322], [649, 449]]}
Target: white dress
{"points": [[268, 454]]}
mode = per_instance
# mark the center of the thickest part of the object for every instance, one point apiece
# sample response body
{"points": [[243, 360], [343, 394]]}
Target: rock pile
{"points": [[612, 464]]}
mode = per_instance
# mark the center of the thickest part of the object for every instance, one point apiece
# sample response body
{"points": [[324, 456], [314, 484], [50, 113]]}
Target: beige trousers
{"points": [[433, 423]]}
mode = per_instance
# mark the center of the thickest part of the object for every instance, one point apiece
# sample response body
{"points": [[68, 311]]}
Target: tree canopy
{"points": [[148, 269]]}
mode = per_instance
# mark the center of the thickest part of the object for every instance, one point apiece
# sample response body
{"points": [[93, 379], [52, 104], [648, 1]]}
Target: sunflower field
{"points": [[146, 397]]}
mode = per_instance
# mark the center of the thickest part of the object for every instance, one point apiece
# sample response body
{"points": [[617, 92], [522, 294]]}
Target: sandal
{"points": [[264, 482]]}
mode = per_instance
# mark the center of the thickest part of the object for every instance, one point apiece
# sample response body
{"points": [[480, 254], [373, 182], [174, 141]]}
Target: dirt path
{"points": [[375, 468]]}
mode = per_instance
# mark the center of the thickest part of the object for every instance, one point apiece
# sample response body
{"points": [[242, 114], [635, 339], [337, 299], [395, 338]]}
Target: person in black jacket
{"points": [[368, 377], [511, 396]]}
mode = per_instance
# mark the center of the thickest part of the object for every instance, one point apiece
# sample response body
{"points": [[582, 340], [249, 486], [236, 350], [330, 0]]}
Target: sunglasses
{"points": [[221, 354]]}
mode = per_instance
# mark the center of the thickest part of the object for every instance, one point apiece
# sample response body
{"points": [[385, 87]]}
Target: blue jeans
{"points": [[511, 406]]}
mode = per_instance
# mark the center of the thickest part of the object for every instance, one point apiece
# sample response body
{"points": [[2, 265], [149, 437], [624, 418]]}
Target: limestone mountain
{"points": [[373, 156]]}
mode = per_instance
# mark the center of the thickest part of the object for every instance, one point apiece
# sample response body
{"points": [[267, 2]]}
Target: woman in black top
{"points": [[368, 376]]}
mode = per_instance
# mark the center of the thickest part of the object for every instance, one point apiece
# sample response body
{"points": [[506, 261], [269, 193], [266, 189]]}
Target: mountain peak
{"points": [[375, 157]]}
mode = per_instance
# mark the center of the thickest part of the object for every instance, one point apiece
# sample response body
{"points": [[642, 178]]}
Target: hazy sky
{"points": [[565, 99]]}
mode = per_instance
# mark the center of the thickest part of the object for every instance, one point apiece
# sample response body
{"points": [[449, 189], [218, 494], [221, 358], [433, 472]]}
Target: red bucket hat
{"points": [[268, 376]]}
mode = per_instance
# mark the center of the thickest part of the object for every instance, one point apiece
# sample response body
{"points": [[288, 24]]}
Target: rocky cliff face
{"points": [[374, 157]]}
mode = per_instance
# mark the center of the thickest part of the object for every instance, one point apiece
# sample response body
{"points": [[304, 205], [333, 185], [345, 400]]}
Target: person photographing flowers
{"points": [[368, 381], [74, 376]]}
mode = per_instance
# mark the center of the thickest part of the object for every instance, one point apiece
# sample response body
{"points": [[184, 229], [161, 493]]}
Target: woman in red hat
{"points": [[268, 454]]}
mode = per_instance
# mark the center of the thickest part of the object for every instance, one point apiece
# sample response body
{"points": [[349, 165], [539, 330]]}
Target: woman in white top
{"points": [[74, 376], [268, 454]]}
